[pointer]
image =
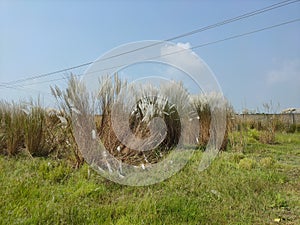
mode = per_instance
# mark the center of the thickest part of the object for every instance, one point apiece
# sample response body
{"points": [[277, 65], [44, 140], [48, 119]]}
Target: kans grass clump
{"points": [[154, 107], [42, 132], [65, 102], [35, 129], [204, 105], [140, 106], [31, 128], [11, 127]]}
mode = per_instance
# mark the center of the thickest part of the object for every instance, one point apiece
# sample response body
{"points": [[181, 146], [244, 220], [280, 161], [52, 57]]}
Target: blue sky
{"points": [[37, 37]]}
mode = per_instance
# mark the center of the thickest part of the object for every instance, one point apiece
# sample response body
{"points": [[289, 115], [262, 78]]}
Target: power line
{"points": [[243, 16], [22, 88], [221, 23], [183, 50], [241, 35], [46, 74]]}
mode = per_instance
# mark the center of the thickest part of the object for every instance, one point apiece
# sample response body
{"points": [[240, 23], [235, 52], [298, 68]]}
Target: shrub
{"points": [[267, 137], [298, 127], [279, 124], [253, 135], [292, 128]]}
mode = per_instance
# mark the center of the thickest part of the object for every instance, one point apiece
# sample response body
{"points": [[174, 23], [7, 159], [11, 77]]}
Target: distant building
{"points": [[290, 110]]}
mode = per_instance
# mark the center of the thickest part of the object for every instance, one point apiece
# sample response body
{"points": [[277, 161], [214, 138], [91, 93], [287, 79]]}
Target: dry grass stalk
{"points": [[204, 104], [35, 129], [12, 120], [66, 101]]}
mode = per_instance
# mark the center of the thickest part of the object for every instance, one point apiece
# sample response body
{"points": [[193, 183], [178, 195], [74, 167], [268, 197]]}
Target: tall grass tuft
{"points": [[65, 102], [268, 134], [12, 120], [166, 102], [143, 105], [35, 129], [204, 104], [156, 102]]}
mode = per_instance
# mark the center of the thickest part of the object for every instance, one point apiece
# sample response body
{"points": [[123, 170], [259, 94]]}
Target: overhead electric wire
{"points": [[238, 35], [46, 74], [23, 88], [243, 16], [183, 50], [221, 23]]}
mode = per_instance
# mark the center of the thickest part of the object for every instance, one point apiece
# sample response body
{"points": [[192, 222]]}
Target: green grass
{"points": [[254, 187]]}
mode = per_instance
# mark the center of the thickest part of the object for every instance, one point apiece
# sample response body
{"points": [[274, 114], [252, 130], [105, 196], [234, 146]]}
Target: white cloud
{"points": [[178, 51], [184, 45], [196, 72]]}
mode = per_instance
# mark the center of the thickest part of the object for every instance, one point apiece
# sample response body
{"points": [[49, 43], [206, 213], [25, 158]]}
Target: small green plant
{"points": [[267, 162], [237, 140], [279, 202], [253, 135], [247, 163]]}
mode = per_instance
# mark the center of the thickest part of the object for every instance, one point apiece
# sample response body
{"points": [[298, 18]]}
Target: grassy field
{"points": [[258, 185]]}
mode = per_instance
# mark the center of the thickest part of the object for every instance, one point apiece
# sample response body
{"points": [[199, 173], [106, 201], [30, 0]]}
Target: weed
{"points": [[235, 189], [267, 162], [247, 163]]}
